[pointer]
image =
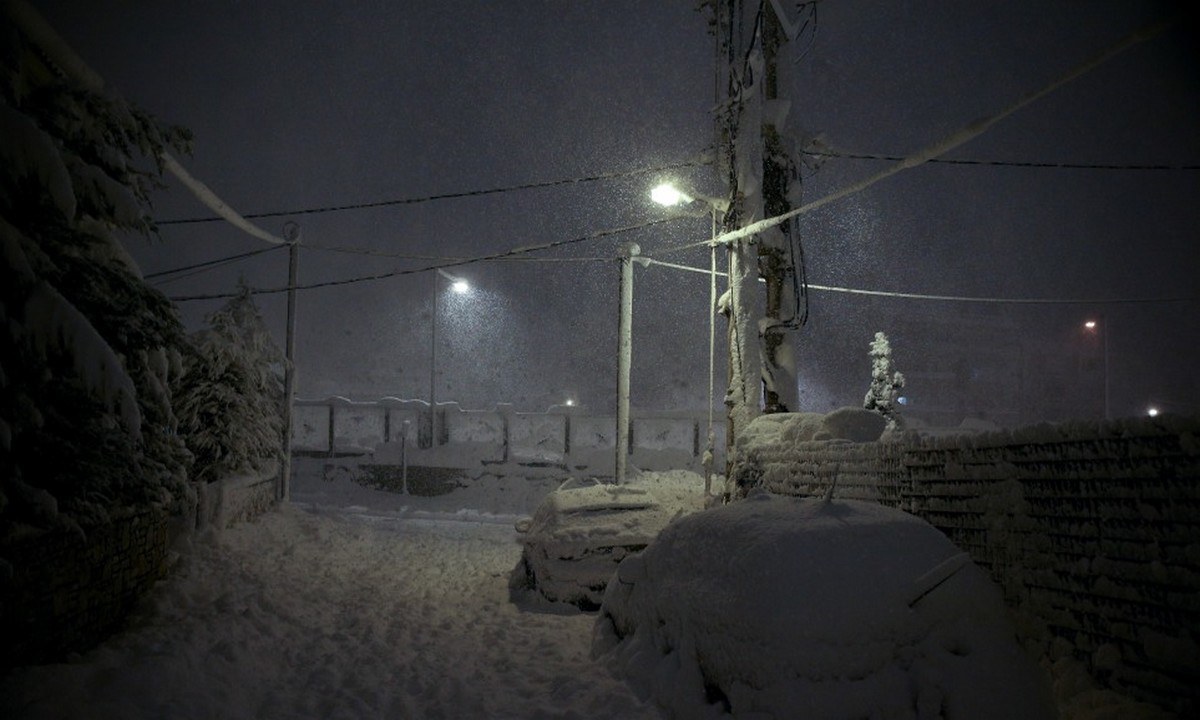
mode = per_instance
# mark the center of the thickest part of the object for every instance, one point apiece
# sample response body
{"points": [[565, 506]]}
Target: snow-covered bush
{"points": [[87, 349], [885, 382], [230, 399]]}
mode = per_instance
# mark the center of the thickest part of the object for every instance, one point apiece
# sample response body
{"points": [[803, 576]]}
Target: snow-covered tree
{"points": [[230, 399], [87, 348], [885, 382]]}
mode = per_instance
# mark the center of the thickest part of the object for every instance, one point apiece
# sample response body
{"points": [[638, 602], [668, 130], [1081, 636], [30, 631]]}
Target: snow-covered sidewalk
{"points": [[335, 612]]}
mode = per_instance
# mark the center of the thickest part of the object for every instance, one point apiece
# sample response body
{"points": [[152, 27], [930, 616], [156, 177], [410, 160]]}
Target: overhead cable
{"points": [[513, 252], [60, 54], [211, 263], [1004, 163], [958, 298], [450, 195], [943, 146]]}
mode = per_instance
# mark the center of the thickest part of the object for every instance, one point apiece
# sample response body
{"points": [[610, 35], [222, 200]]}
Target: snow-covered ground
{"points": [[332, 610], [354, 603]]}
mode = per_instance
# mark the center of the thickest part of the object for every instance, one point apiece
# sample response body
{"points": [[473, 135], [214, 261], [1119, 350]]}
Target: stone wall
{"points": [[1092, 531], [68, 591], [237, 499]]}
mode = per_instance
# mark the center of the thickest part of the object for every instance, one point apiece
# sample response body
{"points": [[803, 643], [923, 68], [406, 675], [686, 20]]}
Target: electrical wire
{"points": [[1004, 163], [703, 161], [958, 298], [212, 263], [939, 148], [357, 250], [506, 254]]}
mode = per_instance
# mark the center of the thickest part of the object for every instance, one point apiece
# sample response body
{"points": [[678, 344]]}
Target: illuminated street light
{"points": [[669, 195], [1093, 326], [1152, 411], [460, 286]]}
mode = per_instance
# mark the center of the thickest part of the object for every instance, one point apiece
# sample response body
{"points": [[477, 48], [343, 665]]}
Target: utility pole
{"points": [[754, 162], [739, 68], [624, 358], [780, 392], [291, 233]]}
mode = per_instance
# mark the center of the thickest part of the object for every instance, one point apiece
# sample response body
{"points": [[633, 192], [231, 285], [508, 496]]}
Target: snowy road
{"points": [[337, 614]]}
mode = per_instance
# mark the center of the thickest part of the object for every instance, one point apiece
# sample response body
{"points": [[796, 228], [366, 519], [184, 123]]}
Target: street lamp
{"points": [[668, 195], [459, 286], [1093, 327]]}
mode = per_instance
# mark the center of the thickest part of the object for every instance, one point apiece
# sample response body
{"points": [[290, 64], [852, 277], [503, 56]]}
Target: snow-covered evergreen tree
{"points": [[230, 399], [885, 382], [87, 348]]}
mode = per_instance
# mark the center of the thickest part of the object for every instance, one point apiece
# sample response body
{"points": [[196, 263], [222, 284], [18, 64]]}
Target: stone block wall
{"points": [[1092, 532], [69, 591]]}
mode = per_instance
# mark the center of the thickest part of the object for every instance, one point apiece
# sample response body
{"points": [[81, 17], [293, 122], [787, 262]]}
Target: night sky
{"points": [[309, 105]]}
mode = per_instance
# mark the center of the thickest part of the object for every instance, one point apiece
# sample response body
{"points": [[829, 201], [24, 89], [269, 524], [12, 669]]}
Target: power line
{"points": [[960, 298], [213, 263], [938, 149], [447, 196], [1002, 163], [504, 255], [372, 252]]}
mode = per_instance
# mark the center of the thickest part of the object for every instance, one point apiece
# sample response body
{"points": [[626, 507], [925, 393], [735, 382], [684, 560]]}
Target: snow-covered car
{"points": [[787, 607], [582, 530]]}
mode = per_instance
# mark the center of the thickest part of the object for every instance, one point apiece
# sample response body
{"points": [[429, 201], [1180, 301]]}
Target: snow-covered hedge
{"points": [[88, 351]]}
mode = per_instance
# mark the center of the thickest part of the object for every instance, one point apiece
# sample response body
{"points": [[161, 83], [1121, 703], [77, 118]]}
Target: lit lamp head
{"points": [[1090, 324], [669, 195], [457, 284]]}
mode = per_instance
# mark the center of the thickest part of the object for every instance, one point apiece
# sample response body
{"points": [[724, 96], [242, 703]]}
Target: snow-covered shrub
{"points": [[230, 399], [885, 382], [87, 348]]}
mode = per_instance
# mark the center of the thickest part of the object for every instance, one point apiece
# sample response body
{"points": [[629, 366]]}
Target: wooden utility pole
{"points": [[291, 233], [738, 107], [753, 159], [624, 359], [775, 262]]}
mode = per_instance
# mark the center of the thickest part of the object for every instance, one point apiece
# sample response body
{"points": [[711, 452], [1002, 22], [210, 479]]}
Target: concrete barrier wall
{"points": [[311, 428], [1092, 531], [359, 426], [561, 439], [537, 438]]}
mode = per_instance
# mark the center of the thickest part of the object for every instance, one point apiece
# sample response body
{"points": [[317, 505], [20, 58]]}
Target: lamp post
{"points": [[668, 195], [460, 286], [1093, 327], [624, 359]]}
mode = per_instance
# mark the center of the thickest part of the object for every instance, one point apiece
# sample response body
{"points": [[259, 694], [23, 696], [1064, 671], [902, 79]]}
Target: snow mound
{"points": [[788, 429], [581, 531], [791, 607]]}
